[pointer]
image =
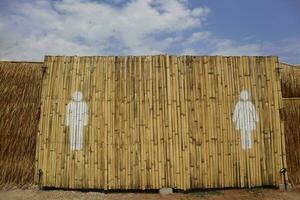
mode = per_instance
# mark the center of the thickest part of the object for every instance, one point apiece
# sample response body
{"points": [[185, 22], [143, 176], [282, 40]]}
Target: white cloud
{"points": [[197, 36], [200, 11], [188, 51], [207, 43], [288, 49], [32, 29], [231, 47]]}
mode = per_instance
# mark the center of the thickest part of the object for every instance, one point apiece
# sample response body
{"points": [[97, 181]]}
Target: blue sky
{"points": [[34, 28]]}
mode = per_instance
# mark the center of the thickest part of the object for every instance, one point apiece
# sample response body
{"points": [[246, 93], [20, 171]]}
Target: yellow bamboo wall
{"points": [[160, 121]]}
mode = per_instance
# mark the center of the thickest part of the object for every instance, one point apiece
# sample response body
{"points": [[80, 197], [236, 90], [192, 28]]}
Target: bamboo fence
{"points": [[160, 121], [20, 86]]}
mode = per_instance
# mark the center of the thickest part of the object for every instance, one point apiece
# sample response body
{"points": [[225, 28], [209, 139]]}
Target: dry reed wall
{"points": [[290, 81], [20, 86], [292, 131], [291, 92]]}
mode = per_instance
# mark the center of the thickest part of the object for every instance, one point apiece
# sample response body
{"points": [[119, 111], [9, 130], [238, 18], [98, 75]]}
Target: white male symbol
{"points": [[76, 119], [245, 118]]}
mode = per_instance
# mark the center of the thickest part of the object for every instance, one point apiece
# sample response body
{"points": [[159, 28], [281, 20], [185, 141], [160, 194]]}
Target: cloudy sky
{"points": [[30, 29]]}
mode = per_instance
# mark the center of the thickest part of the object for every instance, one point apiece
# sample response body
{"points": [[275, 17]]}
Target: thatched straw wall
{"points": [[291, 92], [290, 80], [292, 131], [20, 86]]}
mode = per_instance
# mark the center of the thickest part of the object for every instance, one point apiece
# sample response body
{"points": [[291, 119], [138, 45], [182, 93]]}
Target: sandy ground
{"points": [[236, 194]]}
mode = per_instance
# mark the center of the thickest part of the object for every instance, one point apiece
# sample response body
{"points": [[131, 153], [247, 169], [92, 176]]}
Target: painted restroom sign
{"points": [[245, 118], [76, 119]]}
